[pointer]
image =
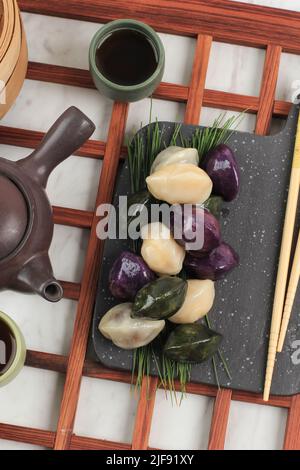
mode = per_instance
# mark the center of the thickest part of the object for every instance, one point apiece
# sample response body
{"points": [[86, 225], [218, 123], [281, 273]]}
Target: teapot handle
{"points": [[67, 134]]}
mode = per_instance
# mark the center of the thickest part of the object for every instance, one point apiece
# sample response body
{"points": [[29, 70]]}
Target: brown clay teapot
{"points": [[26, 223]]}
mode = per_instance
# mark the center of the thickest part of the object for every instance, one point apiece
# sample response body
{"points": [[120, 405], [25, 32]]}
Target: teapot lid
{"points": [[13, 216]]}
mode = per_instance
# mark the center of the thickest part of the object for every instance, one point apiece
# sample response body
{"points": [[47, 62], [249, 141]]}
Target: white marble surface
{"points": [[107, 410]]}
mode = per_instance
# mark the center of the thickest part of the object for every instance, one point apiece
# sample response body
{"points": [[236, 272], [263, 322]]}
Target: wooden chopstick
{"points": [[290, 296], [284, 258]]}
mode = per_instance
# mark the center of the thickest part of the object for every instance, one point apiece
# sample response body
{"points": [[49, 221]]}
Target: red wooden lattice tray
{"points": [[276, 31]]}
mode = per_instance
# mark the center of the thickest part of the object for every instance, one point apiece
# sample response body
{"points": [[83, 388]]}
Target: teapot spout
{"points": [[37, 276], [66, 135]]}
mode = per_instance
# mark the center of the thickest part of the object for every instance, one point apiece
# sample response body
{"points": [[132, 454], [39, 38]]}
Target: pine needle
{"points": [[216, 371], [207, 138], [220, 354], [175, 134], [225, 365]]}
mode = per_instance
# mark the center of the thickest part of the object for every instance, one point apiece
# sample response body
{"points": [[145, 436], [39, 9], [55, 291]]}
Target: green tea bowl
{"points": [[126, 93], [20, 355]]}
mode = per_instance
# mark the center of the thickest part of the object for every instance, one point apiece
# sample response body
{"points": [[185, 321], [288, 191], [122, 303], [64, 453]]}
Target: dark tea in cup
{"points": [[12, 349], [126, 57], [127, 60], [8, 347]]}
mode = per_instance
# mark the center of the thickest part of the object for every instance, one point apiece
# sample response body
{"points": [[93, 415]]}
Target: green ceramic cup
{"points": [[119, 92], [20, 354]]}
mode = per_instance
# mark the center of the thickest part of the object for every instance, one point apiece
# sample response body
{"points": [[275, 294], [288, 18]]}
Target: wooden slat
{"points": [[195, 99], [292, 431], [257, 399], [31, 139], [89, 281], [71, 290], [197, 85], [72, 217], [282, 108], [95, 149], [220, 420], [166, 91], [46, 361], [171, 92], [198, 389], [58, 363], [81, 78], [233, 22], [33, 436], [59, 74], [95, 370], [230, 101], [42, 438], [88, 443], [144, 414], [268, 88]]}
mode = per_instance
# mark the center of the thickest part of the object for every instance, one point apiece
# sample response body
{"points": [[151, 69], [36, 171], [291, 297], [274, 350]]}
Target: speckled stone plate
{"points": [[252, 224]]}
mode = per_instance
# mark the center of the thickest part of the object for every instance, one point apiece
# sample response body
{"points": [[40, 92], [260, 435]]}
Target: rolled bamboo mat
{"points": [[15, 82], [13, 54]]}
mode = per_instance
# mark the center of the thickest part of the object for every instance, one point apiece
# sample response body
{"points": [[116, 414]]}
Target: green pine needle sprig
{"points": [[204, 139]]}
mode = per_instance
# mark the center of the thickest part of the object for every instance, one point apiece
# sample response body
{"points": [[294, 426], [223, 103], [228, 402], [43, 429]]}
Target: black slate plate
{"points": [[252, 224]]}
